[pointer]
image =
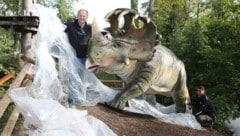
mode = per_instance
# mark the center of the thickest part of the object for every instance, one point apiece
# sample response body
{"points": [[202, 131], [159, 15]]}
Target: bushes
{"points": [[8, 45], [226, 110]]}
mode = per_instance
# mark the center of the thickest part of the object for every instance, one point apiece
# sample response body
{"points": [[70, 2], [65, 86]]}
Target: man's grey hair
{"points": [[82, 10]]}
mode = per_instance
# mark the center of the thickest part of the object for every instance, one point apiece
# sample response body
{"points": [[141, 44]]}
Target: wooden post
{"points": [[27, 38]]}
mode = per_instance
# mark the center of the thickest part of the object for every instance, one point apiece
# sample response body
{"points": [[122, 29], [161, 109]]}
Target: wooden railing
{"points": [[6, 100]]}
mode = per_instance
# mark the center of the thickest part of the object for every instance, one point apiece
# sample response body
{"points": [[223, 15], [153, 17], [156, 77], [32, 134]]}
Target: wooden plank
{"points": [[4, 102], [7, 131], [20, 23]]}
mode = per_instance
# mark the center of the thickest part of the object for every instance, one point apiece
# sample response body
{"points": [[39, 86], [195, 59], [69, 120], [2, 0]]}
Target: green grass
{"points": [[6, 115], [106, 76]]}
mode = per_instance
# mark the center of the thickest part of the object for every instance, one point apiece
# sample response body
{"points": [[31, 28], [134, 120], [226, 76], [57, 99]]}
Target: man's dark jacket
{"points": [[203, 106], [79, 37]]}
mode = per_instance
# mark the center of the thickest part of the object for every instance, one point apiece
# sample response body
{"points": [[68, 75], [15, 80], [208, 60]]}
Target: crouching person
{"points": [[203, 109]]}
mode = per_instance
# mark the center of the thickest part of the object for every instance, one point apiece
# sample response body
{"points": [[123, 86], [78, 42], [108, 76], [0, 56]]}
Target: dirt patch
{"points": [[131, 124]]}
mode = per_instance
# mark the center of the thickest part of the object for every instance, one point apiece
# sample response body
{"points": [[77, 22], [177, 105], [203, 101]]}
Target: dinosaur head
{"points": [[103, 54], [134, 37], [130, 29]]}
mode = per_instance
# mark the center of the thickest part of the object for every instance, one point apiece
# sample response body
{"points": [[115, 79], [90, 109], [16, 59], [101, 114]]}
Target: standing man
{"points": [[203, 109], [79, 33]]}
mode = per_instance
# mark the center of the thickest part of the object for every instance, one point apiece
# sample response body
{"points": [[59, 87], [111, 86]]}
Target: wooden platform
{"points": [[20, 23]]}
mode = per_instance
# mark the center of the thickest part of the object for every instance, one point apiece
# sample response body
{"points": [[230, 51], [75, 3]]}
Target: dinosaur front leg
{"points": [[121, 99], [135, 88]]}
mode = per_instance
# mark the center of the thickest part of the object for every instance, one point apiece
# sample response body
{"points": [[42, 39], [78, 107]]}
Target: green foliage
{"points": [[64, 13], [225, 112], [8, 61], [9, 39], [105, 76], [206, 36], [6, 115], [134, 4], [10, 7], [64, 7], [2, 92]]}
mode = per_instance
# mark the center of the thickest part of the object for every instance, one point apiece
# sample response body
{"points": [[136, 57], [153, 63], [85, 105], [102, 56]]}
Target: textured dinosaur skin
{"points": [[135, 55]]}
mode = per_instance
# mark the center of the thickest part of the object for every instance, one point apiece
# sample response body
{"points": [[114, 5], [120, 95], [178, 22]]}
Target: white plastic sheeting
{"points": [[53, 77], [50, 118], [234, 126], [166, 114]]}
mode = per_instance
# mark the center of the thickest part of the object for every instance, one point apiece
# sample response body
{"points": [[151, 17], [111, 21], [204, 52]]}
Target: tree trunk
{"points": [[27, 38]]}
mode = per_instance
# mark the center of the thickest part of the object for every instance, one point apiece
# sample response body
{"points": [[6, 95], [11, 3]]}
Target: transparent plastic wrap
{"points": [[234, 126], [58, 68], [163, 113], [47, 117]]}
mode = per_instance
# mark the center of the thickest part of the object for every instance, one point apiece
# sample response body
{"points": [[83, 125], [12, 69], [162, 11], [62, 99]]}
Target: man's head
{"points": [[82, 17], [200, 90]]}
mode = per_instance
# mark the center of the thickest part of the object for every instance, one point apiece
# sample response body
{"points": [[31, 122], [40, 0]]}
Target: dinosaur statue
{"points": [[136, 55]]}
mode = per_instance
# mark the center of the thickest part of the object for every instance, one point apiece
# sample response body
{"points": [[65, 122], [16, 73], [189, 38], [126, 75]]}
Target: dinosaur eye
{"points": [[117, 45], [130, 37]]}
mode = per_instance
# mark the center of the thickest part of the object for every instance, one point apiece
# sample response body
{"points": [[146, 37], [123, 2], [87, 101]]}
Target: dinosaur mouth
{"points": [[93, 67], [96, 68]]}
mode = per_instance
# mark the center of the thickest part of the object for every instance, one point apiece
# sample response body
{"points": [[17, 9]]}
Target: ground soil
{"points": [[132, 124]]}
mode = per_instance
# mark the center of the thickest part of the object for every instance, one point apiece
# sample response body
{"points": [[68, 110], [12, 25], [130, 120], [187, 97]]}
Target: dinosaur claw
{"points": [[118, 103]]}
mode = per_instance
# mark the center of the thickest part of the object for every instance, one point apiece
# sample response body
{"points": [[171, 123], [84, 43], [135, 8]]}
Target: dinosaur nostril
{"points": [[144, 49], [133, 49]]}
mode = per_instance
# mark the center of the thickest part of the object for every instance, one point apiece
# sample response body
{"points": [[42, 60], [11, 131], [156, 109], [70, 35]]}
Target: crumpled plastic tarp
{"points": [[234, 126], [164, 113], [50, 118]]}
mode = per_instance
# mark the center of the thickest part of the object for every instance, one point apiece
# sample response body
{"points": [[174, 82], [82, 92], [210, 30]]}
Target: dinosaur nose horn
{"points": [[96, 33], [95, 28]]}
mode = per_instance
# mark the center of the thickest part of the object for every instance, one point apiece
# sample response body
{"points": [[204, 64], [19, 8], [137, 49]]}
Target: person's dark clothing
{"points": [[203, 106], [79, 37]]}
